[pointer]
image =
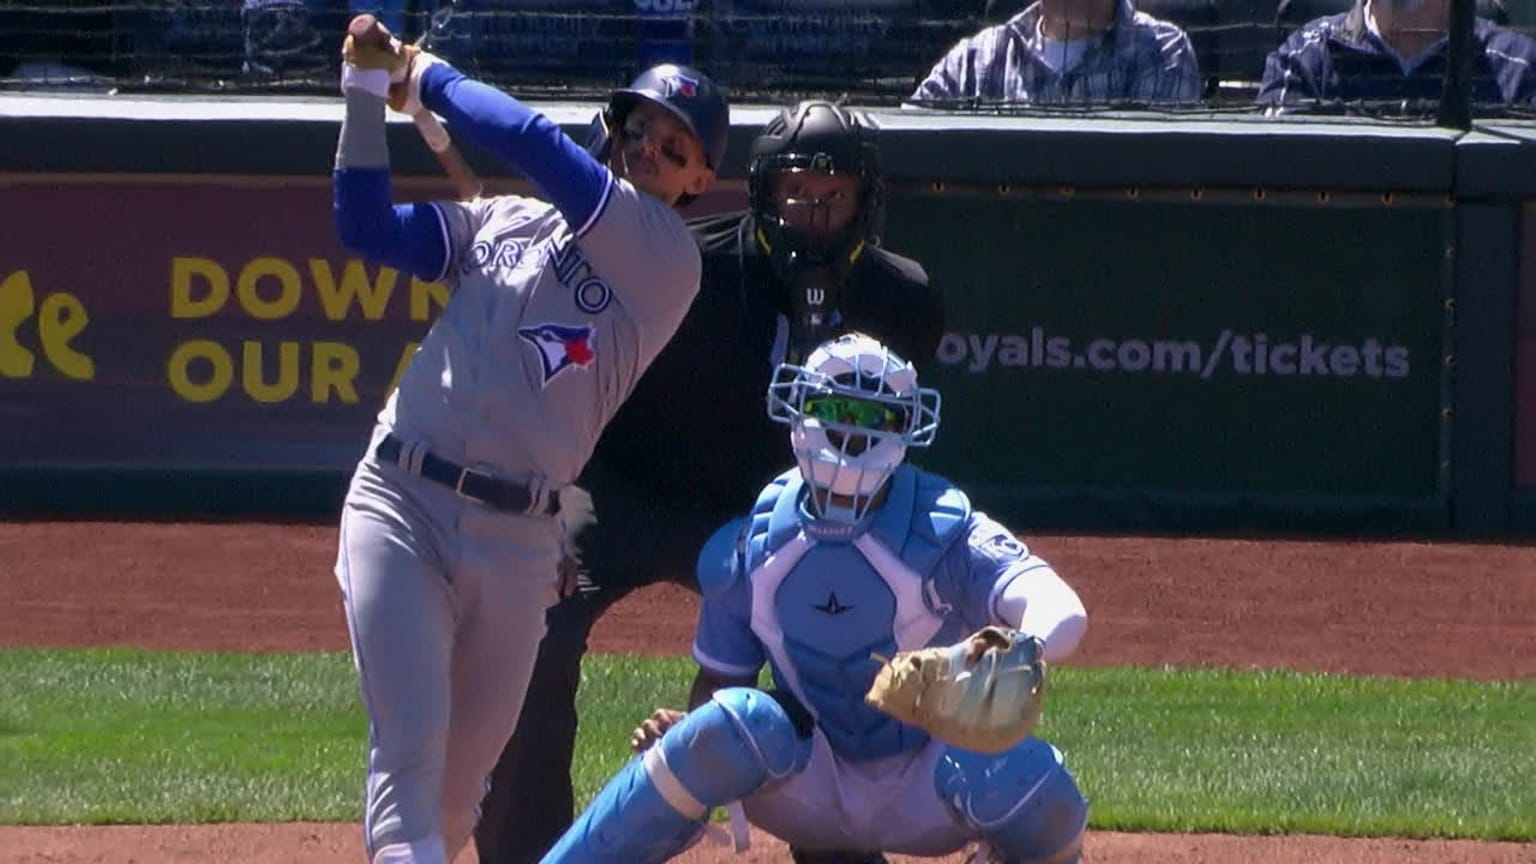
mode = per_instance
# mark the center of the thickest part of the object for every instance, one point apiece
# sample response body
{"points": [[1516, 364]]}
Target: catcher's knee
{"points": [[1024, 802], [720, 752], [739, 740]]}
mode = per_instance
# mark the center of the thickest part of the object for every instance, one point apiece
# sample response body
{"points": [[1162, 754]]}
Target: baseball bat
{"points": [[367, 29]]}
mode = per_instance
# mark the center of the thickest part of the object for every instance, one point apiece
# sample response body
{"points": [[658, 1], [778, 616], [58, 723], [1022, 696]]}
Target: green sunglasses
{"points": [[848, 411]]}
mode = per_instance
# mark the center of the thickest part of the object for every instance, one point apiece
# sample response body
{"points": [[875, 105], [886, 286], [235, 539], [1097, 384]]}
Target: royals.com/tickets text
{"points": [[1230, 352]]}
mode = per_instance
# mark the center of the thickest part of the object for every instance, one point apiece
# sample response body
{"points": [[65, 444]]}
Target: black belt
{"points": [[478, 486]]}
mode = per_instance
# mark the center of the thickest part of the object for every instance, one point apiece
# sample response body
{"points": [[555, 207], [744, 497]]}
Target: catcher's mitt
{"points": [[983, 694]]}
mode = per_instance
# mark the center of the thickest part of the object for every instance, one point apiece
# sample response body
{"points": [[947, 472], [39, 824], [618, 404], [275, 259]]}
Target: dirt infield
{"points": [[1363, 608]]}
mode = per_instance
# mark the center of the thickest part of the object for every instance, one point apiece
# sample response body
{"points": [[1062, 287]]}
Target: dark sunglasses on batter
{"points": [[848, 411]]}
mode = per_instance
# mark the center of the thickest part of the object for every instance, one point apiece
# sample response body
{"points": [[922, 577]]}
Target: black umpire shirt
{"points": [[695, 433]]}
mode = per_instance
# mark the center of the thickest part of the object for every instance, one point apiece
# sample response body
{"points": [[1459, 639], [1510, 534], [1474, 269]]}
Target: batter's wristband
{"points": [[375, 81], [419, 66]]}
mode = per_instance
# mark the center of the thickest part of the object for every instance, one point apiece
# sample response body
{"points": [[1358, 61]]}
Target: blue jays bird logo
{"points": [[683, 86], [561, 346]]}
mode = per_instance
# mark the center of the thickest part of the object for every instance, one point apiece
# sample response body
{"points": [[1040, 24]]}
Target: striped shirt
{"points": [[1339, 59], [1139, 59]]}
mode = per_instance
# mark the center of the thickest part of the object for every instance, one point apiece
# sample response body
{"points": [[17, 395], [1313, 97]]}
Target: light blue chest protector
{"points": [[852, 592]]}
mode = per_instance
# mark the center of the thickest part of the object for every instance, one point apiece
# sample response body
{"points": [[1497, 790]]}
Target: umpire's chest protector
{"points": [[827, 597]]}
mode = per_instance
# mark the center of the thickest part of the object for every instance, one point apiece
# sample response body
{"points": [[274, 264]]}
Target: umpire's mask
{"points": [[816, 198]]}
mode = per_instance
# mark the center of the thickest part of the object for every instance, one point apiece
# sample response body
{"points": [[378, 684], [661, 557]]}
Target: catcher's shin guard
{"points": [[1024, 803], [656, 805]]}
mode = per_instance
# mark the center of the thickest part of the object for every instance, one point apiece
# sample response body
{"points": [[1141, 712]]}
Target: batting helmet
{"points": [[682, 90], [816, 136]]}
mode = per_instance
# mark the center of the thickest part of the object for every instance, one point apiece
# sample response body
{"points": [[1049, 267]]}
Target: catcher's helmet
{"points": [[682, 90], [853, 410], [816, 135]]}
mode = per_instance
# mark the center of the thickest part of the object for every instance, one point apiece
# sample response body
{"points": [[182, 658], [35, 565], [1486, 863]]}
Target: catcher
{"points": [[848, 559]]}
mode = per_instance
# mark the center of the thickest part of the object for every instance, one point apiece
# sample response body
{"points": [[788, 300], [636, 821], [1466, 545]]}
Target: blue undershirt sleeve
{"points": [[564, 173], [409, 237]]}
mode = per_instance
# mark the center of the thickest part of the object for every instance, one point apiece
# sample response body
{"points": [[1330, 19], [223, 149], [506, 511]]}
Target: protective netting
{"points": [[871, 51]]}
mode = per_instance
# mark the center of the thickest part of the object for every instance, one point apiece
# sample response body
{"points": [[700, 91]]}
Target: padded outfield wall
{"points": [[1180, 324]]}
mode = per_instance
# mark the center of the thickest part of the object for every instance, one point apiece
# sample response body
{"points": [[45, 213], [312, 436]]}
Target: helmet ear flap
{"points": [[604, 129], [599, 136]]}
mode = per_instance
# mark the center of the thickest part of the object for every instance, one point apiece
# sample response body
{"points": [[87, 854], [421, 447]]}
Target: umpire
{"points": [[694, 441]]}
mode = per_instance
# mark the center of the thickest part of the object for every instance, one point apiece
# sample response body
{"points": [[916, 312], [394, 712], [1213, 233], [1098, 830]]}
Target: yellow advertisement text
{"points": [[60, 318], [269, 288], [321, 372]]}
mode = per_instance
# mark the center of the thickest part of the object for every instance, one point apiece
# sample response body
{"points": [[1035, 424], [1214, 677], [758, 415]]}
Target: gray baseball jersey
{"points": [[547, 330]]}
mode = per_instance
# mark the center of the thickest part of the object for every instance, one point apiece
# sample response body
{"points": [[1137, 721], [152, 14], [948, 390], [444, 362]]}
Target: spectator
{"points": [[561, 43], [1066, 52], [57, 43], [1392, 50], [282, 38], [778, 42], [183, 43], [664, 31]]}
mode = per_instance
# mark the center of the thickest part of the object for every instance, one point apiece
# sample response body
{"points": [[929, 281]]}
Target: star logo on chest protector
{"points": [[832, 606]]}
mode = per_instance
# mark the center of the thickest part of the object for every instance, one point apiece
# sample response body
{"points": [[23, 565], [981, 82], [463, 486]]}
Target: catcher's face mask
{"points": [[853, 410]]}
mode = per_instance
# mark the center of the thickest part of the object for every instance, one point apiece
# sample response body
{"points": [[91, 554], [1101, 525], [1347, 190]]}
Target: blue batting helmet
{"points": [[682, 90]]}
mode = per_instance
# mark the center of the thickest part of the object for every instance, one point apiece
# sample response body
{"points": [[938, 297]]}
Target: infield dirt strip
{"points": [[1400, 608]]}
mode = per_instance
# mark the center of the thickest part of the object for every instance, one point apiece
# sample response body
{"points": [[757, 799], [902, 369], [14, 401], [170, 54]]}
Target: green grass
{"points": [[1247, 752], [126, 736]]}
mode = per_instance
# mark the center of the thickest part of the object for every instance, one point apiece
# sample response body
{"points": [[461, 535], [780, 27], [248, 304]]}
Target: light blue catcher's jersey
{"points": [[817, 600]]}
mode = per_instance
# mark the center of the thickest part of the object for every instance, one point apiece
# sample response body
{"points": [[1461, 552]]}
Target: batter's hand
{"points": [[576, 515], [569, 569], [653, 728], [370, 46]]}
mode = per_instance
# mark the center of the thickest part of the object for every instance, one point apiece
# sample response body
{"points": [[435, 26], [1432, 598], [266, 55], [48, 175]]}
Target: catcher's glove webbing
{"points": [[983, 694]]}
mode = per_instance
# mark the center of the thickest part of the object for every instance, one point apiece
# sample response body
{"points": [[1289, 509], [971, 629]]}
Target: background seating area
{"points": [[873, 50]]}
